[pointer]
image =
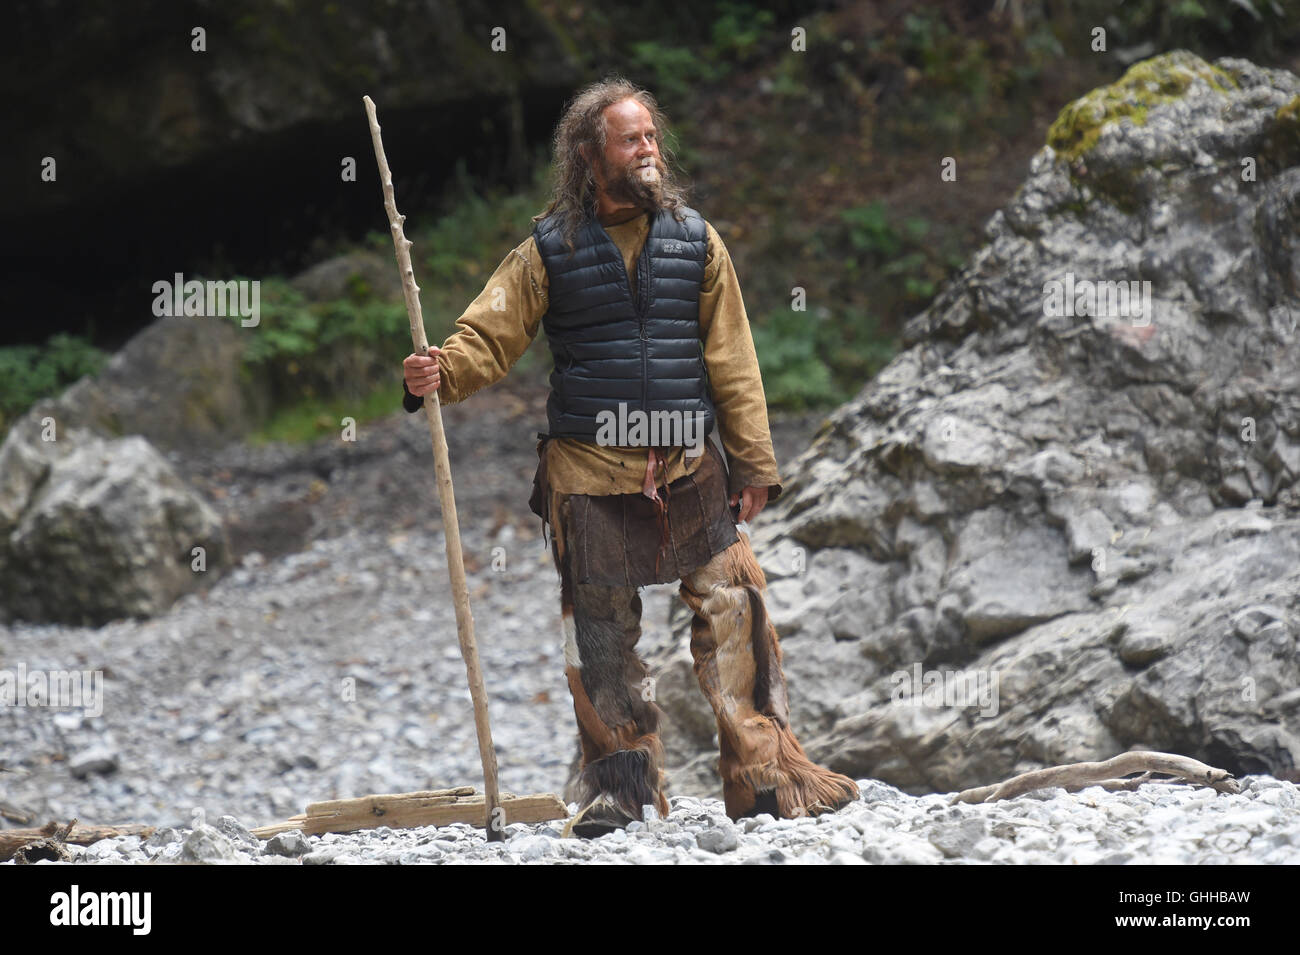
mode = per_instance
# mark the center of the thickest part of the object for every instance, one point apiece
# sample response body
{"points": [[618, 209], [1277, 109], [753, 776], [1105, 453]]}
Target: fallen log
{"points": [[439, 807], [12, 840], [1108, 775]]}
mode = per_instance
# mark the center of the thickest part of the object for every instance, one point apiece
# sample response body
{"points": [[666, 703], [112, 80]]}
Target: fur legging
{"points": [[738, 663]]}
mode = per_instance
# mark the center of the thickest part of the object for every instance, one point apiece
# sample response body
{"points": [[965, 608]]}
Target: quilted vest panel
{"points": [[618, 353]]}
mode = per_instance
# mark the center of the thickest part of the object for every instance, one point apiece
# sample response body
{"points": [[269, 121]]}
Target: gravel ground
{"points": [[1155, 825], [326, 665]]}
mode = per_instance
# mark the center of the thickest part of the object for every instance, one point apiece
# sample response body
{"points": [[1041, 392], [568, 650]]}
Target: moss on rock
{"points": [[1161, 79], [1286, 134]]}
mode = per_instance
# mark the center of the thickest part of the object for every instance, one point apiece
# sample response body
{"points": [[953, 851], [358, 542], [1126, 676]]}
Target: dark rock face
{"points": [[151, 95], [1077, 494], [244, 151]]}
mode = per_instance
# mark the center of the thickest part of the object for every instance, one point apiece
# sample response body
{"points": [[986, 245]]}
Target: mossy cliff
{"points": [[1162, 79], [1125, 142], [1102, 507]]}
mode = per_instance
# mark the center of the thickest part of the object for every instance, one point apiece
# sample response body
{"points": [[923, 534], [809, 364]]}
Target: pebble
{"points": [[718, 840], [206, 844], [291, 843], [98, 760]]}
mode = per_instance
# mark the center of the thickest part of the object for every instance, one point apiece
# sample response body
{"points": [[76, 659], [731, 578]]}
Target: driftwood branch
{"points": [[440, 807], [1108, 775], [47, 842], [14, 814]]}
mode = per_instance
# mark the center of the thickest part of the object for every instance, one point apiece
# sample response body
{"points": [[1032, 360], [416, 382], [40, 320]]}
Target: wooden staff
{"points": [[495, 825]]}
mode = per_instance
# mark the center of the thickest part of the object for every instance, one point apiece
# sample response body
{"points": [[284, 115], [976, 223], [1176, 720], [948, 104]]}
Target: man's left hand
{"points": [[755, 499]]}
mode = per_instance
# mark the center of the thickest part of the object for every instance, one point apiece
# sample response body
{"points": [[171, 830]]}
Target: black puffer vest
{"points": [[609, 347]]}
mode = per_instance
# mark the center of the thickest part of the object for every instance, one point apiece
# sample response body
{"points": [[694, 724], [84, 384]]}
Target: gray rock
{"points": [[103, 849], [1140, 647], [109, 532], [958, 840], [1259, 621], [1010, 577], [845, 858], [354, 274], [1055, 497], [162, 837], [237, 833], [177, 383], [322, 856], [681, 840], [98, 760], [131, 846], [899, 848], [207, 844], [291, 843], [425, 855], [718, 839], [531, 848]]}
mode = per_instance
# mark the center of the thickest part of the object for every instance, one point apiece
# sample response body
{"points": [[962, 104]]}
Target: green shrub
{"points": [[739, 30], [305, 351], [675, 70], [307, 421], [870, 230], [790, 351], [31, 372]]}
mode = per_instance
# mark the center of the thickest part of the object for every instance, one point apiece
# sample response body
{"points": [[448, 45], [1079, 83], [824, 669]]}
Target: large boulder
{"points": [[359, 273], [179, 382], [94, 523], [1087, 509], [85, 499], [93, 530]]}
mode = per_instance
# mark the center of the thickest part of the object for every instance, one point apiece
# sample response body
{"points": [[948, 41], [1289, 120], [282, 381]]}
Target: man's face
{"points": [[631, 170]]}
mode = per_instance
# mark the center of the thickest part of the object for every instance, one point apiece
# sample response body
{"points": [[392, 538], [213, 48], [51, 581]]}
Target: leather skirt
{"points": [[615, 539]]}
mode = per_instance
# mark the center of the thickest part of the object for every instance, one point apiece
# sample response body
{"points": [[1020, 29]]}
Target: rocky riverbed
{"points": [[333, 670], [325, 664], [1154, 825]]}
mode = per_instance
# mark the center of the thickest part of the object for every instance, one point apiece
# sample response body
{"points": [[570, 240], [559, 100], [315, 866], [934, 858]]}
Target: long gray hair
{"points": [[583, 125]]}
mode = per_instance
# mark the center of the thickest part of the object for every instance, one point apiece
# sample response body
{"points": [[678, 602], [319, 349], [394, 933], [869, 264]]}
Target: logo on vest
{"points": [[640, 429], [674, 247]]}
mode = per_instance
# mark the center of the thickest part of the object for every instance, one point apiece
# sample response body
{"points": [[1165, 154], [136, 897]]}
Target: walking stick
{"points": [[447, 498]]}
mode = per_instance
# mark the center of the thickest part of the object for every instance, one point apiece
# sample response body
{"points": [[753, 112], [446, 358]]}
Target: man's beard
{"points": [[630, 187]]}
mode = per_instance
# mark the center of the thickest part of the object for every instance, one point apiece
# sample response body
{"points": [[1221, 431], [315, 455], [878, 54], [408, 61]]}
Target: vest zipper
{"points": [[642, 304]]}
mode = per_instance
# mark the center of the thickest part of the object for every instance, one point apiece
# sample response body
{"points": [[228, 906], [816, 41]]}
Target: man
{"points": [[644, 317]]}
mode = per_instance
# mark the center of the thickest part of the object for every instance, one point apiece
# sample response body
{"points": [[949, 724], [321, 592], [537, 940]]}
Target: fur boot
{"points": [[739, 665]]}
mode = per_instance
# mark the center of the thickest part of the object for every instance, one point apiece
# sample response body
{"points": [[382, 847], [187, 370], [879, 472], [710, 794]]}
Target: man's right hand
{"points": [[421, 373]]}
